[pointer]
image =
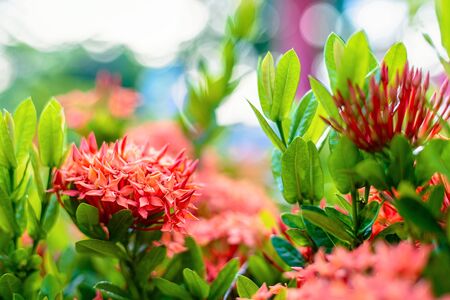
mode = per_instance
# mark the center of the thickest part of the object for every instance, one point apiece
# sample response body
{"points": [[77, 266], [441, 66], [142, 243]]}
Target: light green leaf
{"points": [[266, 82], [51, 134], [287, 76], [9, 284], [172, 289], [443, 14], [246, 288], [7, 157], [373, 173], [25, 128], [325, 98], [303, 116], [334, 48], [268, 130], [395, 59]]}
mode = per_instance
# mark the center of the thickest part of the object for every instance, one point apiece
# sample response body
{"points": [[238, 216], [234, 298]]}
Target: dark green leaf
{"points": [[50, 215], [276, 169], [246, 288], [88, 221], [119, 224], [150, 261], [34, 229], [299, 237], [50, 288], [111, 290], [326, 224], [261, 270], [287, 252], [224, 280], [402, 161], [293, 220], [435, 199], [99, 248], [367, 218], [373, 173], [196, 285]]}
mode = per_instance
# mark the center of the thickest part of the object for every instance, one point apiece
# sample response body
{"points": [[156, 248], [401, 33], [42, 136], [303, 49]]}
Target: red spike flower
{"points": [[153, 185], [371, 119]]}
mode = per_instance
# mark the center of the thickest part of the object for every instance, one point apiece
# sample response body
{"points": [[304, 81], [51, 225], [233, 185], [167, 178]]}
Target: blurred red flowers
{"points": [[153, 185], [371, 119]]}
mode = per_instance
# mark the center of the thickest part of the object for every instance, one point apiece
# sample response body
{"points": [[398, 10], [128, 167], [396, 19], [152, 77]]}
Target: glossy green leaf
{"points": [[303, 116], [34, 229], [172, 289], [395, 59], [340, 217], [111, 290], [246, 288], [50, 216], [436, 199], [99, 248], [276, 169], [261, 270], [88, 221], [287, 76], [224, 280], [268, 130], [195, 284], [299, 237], [367, 218], [326, 224], [342, 163], [119, 224], [292, 220], [288, 253], [266, 83], [51, 134]]}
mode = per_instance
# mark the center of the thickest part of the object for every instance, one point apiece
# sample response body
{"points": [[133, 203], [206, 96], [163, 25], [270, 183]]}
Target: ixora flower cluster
{"points": [[156, 188]]}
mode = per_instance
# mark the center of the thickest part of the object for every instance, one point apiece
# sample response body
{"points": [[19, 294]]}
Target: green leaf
{"points": [[261, 270], [196, 285], [333, 50], [172, 289], [340, 218], [99, 248], [51, 134], [292, 220], [325, 98], [373, 173], [356, 50], [88, 221], [287, 76], [303, 116], [367, 218], [436, 269], [224, 280], [111, 290], [244, 19], [414, 210], [299, 237], [9, 284], [34, 229], [119, 224], [435, 199], [434, 158], [402, 161], [268, 130], [301, 172], [50, 216], [287, 252], [443, 14], [150, 261], [395, 59], [276, 169], [246, 288], [25, 128], [326, 224], [266, 83], [50, 288], [342, 162], [7, 157]]}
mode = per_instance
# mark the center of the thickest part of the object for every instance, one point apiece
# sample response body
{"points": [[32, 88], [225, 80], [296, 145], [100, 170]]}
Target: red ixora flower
{"points": [[156, 187], [372, 119]]}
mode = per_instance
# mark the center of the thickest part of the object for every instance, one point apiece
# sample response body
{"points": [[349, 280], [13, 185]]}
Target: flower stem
{"points": [[280, 129]]}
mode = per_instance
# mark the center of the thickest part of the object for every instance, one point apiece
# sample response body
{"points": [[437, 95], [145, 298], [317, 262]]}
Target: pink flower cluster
{"points": [[156, 187], [386, 272], [80, 107]]}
